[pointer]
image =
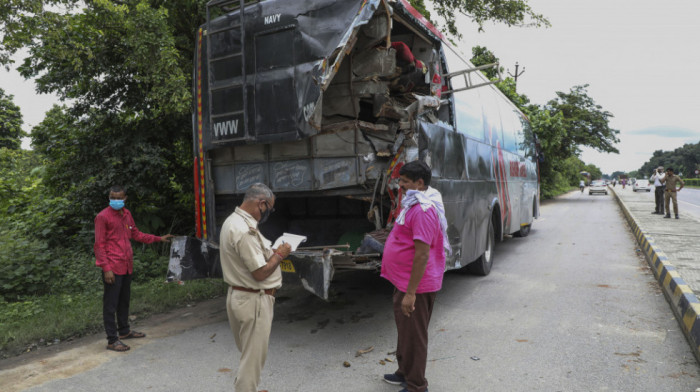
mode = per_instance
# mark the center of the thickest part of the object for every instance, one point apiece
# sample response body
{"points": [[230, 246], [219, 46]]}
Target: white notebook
{"points": [[292, 239]]}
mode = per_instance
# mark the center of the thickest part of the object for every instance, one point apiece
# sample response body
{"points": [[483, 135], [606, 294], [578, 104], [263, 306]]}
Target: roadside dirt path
{"points": [[67, 359]]}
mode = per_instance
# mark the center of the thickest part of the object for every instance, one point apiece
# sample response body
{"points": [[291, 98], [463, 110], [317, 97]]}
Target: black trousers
{"points": [[659, 198], [412, 343], [116, 301]]}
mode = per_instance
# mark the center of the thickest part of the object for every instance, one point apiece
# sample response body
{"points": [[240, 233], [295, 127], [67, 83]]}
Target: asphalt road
{"points": [[689, 201], [572, 307]]}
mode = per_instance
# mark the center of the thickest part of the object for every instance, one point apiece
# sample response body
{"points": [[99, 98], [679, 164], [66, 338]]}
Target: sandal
{"points": [[133, 335], [118, 346]]}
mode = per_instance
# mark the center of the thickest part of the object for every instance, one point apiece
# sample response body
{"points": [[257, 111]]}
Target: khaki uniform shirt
{"points": [[242, 250], [672, 181]]}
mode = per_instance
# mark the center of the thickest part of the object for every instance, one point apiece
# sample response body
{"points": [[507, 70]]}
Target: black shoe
{"points": [[667, 216], [393, 378], [677, 217]]}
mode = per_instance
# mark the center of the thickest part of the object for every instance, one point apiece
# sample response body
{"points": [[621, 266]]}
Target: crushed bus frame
{"points": [[324, 101]]}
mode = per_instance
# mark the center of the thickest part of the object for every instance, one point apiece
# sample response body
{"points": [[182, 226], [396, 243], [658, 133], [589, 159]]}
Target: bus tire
{"points": [[482, 265], [524, 231]]}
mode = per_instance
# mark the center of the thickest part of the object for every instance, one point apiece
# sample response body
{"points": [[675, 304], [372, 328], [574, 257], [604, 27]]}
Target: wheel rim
{"points": [[489, 247]]}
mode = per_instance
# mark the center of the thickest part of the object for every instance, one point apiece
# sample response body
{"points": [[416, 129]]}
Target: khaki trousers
{"points": [[671, 196], [250, 317]]}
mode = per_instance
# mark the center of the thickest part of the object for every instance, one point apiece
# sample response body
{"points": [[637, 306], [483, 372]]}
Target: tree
{"points": [[585, 122], [510, 12], [10, 122], [482, 56], [126, 67], [685, 160]]}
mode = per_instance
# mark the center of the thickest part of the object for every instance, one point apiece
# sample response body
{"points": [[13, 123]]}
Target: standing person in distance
{"points": [[114, 228], [414, 262], [252, 270], [656, 178], [671, 180]]}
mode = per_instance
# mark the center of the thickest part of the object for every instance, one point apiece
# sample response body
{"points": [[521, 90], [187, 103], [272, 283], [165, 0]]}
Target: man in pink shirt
{"points": [[114, 228], [414, 262]]}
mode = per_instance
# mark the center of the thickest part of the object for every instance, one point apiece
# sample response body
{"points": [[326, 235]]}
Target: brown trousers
{"points": [[667, 198], [412, 343]]}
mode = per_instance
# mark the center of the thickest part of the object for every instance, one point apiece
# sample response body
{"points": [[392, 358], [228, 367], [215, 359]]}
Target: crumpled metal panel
{"points": [[291, 58], [467, 203], [192, 258]]}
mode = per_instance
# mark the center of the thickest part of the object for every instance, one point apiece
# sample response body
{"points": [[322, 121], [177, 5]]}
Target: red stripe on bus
{"points": [[199, 167], [422, 19], [197, 215]]}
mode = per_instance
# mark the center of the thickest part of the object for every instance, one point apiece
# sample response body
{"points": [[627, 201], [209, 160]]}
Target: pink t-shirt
{"points": [[399, 250]]}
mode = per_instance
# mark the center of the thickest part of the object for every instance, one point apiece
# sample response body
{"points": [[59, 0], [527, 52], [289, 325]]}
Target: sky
{"points": [[641, 59]]}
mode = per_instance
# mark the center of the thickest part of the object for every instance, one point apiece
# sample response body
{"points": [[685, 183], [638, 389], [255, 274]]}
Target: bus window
{"points": [[492, 122], [468, 113], [470, 118], [510, 119], [528, 140]]}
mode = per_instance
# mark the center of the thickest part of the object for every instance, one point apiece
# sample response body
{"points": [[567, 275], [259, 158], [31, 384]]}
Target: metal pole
{"points": [[516, 74]]}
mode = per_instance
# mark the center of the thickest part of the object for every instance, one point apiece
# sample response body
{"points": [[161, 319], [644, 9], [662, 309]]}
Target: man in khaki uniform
{"points": [[251, 268], [671, 180]]}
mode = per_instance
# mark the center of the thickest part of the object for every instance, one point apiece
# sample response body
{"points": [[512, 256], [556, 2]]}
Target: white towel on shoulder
{"points": [[431, 197]]}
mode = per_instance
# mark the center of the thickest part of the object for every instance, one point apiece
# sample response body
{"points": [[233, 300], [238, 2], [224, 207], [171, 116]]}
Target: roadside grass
{"points": [[49, 319]]}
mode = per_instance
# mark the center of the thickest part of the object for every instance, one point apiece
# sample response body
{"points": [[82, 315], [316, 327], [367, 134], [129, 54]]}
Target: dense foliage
{"points": [[684, 161], [126, 69], [10, 122]]}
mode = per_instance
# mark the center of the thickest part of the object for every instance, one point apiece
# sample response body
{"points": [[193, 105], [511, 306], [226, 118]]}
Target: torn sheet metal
{"points": [[192, 258]]}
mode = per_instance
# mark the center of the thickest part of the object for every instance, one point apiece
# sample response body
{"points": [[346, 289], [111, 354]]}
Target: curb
{"points": [[683, 301]]}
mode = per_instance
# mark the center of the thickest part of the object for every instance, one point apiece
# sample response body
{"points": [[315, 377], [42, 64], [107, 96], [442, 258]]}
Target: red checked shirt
{"points": [[113, 230]]}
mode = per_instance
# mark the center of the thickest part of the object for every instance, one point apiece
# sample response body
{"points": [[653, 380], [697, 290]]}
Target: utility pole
{"points": [[516, 74]]}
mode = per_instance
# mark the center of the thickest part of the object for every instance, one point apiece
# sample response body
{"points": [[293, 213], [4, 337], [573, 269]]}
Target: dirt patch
{"points": [[67, 359]]}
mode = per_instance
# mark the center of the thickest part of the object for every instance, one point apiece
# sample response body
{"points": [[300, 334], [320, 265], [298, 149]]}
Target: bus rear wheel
{"points": [[524, 231], [482, 265]]}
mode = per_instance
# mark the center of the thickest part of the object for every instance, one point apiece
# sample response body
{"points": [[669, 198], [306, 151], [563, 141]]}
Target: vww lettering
{"points": [[225, 128]]}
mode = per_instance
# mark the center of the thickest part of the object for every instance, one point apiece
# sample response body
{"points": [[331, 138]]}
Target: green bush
{"points": [[76, 273], [692, 181], [26, 265], [149, 262]]}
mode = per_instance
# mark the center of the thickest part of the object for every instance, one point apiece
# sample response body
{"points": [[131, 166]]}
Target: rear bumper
{"points": [[192, 258]]}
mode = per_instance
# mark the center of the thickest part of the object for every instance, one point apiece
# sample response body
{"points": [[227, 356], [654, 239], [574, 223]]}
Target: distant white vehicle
{"points": [[641, 185], [598, 186]]}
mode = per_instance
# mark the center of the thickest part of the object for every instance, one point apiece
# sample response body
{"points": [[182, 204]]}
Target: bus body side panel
{"points": [[462, 172]]}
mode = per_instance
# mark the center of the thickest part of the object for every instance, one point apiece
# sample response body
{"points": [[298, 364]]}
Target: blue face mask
{"points": [[116, 204]]}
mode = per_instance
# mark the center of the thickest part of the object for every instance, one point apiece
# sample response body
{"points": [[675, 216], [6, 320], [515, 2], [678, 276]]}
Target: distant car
{"points": [[641, 185], [597, 186]]}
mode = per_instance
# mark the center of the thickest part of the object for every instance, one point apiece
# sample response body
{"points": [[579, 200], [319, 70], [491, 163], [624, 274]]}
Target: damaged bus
{"points": [[324, 101]]}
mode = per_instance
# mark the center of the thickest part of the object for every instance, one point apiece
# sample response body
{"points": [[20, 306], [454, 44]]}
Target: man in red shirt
{"points": [[114, 228]]}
